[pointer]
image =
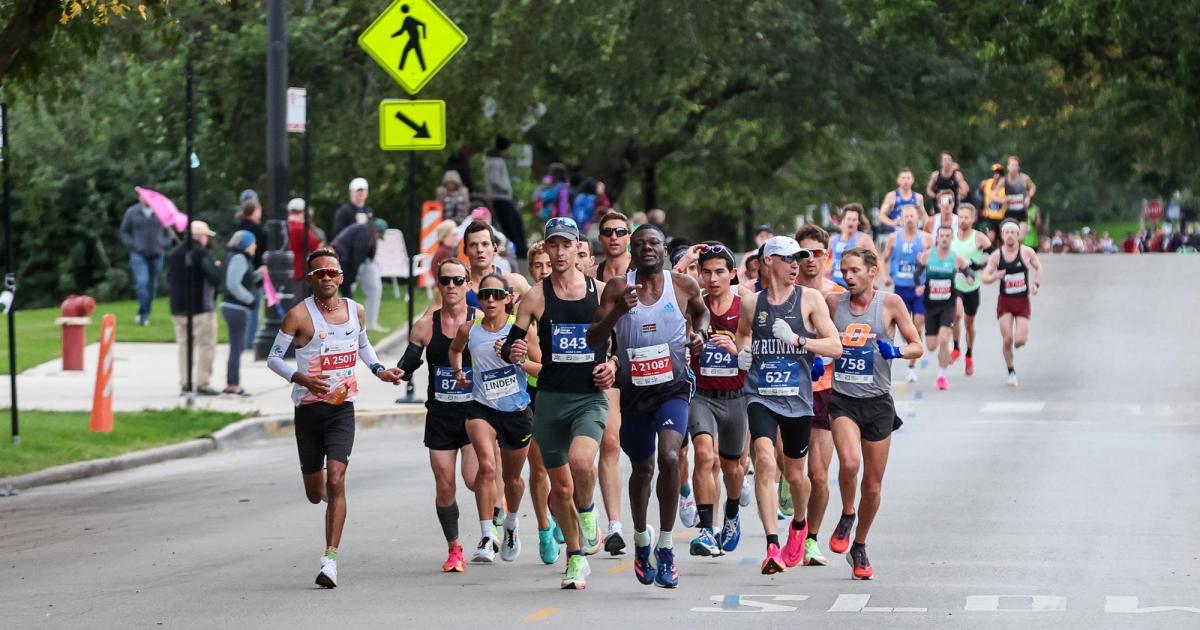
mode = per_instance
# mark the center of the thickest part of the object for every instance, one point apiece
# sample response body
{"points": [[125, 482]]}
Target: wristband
{"points": [[376, 368]]}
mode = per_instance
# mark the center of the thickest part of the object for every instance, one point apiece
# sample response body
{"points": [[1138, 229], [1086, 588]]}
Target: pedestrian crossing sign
{"points": [[412, 40], [412, 125]]}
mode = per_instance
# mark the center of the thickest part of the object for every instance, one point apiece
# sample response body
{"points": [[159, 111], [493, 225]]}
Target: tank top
{"points": [[826, 381], [937, 223], [443, 391], [332, 352], [903, 265], [496, 383], [901, 203], [716, 369], [838, 247], [472, 299], [651, 351], [567, 361], [995, 204], [1015, 192], [861, 371], [939, 280], [779, 375], [968, 251], [945, 183], [1016, 276]]}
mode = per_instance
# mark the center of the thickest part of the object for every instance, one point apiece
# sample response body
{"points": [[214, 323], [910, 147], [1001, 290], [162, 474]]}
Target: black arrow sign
{"points": [[419, 131]]}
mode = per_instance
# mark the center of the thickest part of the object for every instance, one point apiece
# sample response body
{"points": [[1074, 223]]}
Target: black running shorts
{"points": [[513, 428], [446, 430], [795, 432], [876, 416], [324, 431]]}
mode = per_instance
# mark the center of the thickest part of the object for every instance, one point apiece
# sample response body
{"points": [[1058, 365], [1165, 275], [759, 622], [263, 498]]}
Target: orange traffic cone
{"points": [[102, 413]]}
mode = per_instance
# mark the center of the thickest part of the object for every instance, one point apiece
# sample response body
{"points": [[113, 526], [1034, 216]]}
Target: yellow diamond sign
{"points": [[412, 125], [412, 40]]}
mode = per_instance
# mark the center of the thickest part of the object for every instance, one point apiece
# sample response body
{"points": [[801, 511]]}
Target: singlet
{"points": [[945, 183], [567, 361], [838, 247], [939, 281], [332, 351], [651, 351], [779, 377], [472, 299], [1015, 282], [861, 371], [968, 251], [937, 223], [443, 391], [900, 203], [995, 204], [496, 383], [716, 369], [903, 265], [1015, 193]]}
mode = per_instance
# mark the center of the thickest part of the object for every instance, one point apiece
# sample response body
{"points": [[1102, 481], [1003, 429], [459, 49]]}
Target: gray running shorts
{"points": [[722, 418]]}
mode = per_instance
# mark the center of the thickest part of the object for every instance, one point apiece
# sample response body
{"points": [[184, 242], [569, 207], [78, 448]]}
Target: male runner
{"points": [[779, 332], [1019, 190], [896, 201], [939, 267], [584, 258], [480, 243], [995, 202], [1011, 263], [646, 312], [568, 421], [329, 336], [849, 237], [968, 244], [900, 254], [861, 407], [947, 178]]}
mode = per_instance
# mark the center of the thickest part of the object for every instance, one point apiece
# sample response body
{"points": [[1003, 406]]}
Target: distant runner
{"points": [[1011, 264]]}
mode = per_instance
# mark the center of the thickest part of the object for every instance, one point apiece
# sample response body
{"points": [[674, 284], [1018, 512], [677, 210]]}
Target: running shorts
{"points": [[324, 431], [970, 301], [821, 408], [446, 430], [913, 302], [1020, 216], [939, 316], [795, 432], [1017, 306], [722, 417], [560, 417], [992, 226], [876, 416], [639, 432], [513, 428]]}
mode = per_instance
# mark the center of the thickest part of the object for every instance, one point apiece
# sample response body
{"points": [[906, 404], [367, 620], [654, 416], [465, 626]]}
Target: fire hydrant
{"points": [[74, 320]]}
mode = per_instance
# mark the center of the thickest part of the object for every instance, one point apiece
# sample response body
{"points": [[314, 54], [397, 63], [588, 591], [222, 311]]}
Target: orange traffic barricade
{"points": [[102, 398]]}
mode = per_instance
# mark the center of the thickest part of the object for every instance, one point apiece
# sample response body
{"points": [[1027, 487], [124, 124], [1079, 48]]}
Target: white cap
{"points": [[781, 246], [358, 183], [296, 205]]}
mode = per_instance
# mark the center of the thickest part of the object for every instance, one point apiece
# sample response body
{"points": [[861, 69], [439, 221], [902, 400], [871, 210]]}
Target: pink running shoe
{"points": [[793, 551], [455, 562], [942, 384], [773, 563]]}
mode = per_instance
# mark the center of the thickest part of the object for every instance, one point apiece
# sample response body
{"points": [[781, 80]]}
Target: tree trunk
{"points": [[23, 28]]}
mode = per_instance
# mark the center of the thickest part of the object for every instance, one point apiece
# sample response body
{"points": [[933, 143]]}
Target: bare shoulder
{"points": [[686, 282]]}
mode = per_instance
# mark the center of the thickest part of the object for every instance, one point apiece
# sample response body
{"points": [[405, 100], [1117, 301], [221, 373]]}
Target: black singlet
{"points": [[568, 378], [437, 354], [1016, 275]]}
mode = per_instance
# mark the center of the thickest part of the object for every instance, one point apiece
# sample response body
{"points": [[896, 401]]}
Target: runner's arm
{"points": [[518, 283], [993, 265], [422, 332], [457, 345], [827, 343], [528, 311], [1030, 191], [982, 242], [964, 188], [885, 208], [908, 331], [886, 257], [533, 364], [697, 312], [607, 314], [288, 329], [745, 331], [929, 187], [1032, 261]]}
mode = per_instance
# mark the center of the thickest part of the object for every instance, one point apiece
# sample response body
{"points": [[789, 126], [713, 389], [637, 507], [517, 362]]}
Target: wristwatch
{"points": [[802, 341]]}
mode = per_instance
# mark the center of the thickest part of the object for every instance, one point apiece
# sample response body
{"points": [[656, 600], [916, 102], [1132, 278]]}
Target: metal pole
{"points": [[10, 278], [191, 268], [414, 242], [307, 168]]}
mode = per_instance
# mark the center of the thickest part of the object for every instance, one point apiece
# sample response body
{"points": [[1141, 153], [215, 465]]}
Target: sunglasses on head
{"points": [[714, 249], [457, 280], [492, 293], [327, 273], [557, 221], [619, 231]]}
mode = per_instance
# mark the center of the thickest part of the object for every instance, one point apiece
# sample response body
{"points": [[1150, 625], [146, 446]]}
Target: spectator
{"points": [[455, 198], [146, 239], [1131, 245], [250, 219], [297, 211], [1106, 244], [447, 238], [460, 162], [553, 196], [354, 211], [241, 282], [197, 273], [356, 248], [763, 233], [583, 209], [603, 204], [638, 219], [500, 193]]}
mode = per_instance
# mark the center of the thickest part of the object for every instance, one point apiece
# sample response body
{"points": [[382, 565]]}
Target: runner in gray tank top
{"points": [[861, 412], [646, 310], [779, 331]]}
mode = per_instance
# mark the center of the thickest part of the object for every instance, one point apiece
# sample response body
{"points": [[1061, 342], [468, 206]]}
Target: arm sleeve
{"points": [[411, 361], [514, 334], [233, 278], [365, 351], [275, 359]]}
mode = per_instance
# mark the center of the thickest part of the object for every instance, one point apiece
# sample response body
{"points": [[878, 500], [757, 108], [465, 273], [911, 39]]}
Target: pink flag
{"points": [[163, 208], [269, 290]]}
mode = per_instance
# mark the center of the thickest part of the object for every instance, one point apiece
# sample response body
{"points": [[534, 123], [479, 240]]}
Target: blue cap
{"points": [[247, 195], [241, 240]]}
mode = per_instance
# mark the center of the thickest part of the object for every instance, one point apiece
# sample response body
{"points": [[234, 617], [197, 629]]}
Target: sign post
{"points": [[297, 122], [10, 278]]}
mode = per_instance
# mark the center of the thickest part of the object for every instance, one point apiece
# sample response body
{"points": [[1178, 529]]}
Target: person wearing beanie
{"points": [[242, 281]]}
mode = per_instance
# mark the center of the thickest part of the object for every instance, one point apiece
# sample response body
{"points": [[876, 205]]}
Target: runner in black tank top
{"points": [[1011, 264]]}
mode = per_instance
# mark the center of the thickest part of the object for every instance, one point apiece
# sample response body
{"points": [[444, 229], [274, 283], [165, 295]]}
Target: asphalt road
{"points": [[1048, 506]]}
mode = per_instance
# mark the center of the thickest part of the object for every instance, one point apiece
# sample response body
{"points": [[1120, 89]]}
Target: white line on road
{"points": [[1013, 407]]}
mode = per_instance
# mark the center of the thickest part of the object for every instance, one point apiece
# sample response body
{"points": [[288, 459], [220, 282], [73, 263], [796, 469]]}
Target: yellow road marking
{"points": [[541, 614], [620, 567]]}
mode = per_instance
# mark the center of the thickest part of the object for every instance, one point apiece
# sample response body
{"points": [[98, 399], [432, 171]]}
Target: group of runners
{"points": [[631, 354]]}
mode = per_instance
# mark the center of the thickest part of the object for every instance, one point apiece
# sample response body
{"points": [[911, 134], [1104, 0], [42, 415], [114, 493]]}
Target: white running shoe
{"points": [[1012, 379], [747, 491], [688, 515], [910, 376], [328, 575], [485, 553], [511, 548]]}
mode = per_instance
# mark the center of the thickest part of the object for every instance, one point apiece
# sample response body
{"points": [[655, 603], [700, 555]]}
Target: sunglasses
{"points": [[715, 249], [557, 221], [492, 294], [620, 231], [803, 254], [457, 280], [325, 273]]}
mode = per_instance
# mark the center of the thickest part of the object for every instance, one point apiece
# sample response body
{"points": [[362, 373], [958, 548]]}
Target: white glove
{"points": [[783, 332], [745, 359]]}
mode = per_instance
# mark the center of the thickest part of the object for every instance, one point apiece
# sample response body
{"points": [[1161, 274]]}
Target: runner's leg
{"points": [[875, 456], [847, 439], [483, 438], [819, 456], [442, 463], [1021, 331], [539, 486], [669, 476], [610, 458], [1006, 338], [335, 514]]}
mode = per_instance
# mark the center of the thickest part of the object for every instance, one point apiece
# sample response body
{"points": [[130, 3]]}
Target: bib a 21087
{"points": [[650, 365]]}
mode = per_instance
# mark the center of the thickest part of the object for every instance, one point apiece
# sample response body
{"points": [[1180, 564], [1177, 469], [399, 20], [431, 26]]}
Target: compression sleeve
{"points": [[365, 350], [275, 361], [515, 334], [411, 360]]}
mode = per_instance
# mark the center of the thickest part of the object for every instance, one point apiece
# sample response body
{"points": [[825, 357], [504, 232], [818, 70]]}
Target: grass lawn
{"points": [[51, 438], [40, 340]]}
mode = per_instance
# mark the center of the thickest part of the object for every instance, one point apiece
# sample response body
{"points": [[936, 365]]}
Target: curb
{"points": [[242, 431]]}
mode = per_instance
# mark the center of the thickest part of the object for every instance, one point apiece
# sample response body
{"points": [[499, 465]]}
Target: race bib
{"points": [[779, 377], [940, 289], [856, 365], [1016, 202], [568, 344], [339, 357], [650, 365], [717, 362], [906, 270], [446, 389], [1014, 283], [501, 382]]}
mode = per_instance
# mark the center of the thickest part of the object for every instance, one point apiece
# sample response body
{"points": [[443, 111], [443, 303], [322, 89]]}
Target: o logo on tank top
{"points": [[856, 335]]}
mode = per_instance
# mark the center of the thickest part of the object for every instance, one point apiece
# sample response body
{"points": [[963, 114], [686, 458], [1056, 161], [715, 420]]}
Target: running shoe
{"points": [[641, 561], [498, 518], [589, 535], [812, 554], [327, 578], [793, 550], [704, 544], [511, 548], [731, 533], [910, 376], [970, 365], [666, 576], [942, 384], [688, 515], [773, 563], [954, 354], [485, 553], [558, 535], [747, 492], [785, 499], [547, 548], [455, 562], [861, 567], [1012, 379], [614, 543], [577, 572], [840, 541]]}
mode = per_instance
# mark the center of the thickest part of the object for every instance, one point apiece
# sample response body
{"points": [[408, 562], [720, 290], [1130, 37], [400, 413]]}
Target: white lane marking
{"points": [[1013, 407], [744, 602], [1123, 604], [1163, 410], [858, 604], [1028, 603], [1026, 421]]}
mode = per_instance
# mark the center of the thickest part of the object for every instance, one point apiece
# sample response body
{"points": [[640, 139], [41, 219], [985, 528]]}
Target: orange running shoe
{"points": [[860, 566], [970, 365], [773, 563], [455, 563], [954, 354], [840, 541]]}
